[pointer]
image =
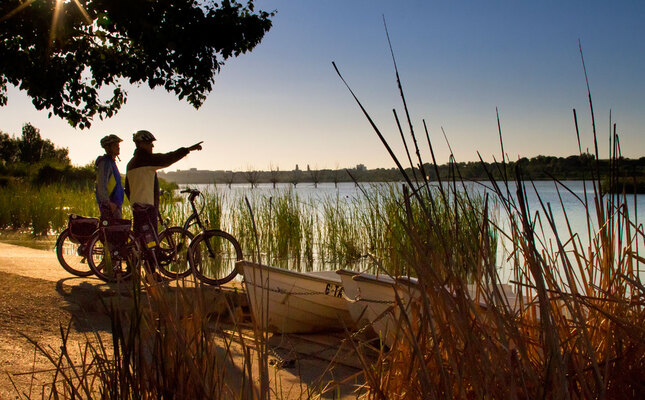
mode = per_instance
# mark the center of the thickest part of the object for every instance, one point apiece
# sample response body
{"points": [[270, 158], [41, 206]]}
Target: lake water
{"points": [[570, 199], [545, 193]]}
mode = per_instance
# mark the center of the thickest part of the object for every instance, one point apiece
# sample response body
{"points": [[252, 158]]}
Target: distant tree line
{"points": [[576, 167], [30, 158], [36, 160], [29, 148]]}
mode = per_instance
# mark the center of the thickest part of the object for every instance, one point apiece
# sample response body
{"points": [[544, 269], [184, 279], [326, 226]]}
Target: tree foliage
{"points": [[30, 148], [8, 149], [65, 54]]}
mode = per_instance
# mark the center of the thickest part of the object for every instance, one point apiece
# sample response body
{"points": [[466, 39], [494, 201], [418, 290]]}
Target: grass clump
{"points": [[330, 232], [43, 210], [163, 344]]}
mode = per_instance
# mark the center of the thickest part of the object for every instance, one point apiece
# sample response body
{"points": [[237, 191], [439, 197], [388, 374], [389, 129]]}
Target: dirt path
{"points": [[39, 298]]}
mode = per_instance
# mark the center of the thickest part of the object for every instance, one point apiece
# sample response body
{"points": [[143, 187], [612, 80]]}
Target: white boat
{"points": [[372, 301], [504, 297], [284, 301], [357, 308]]}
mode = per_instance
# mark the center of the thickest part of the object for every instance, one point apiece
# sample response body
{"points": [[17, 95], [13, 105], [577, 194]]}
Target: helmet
{"points": [[109, 139], [143, 136]]}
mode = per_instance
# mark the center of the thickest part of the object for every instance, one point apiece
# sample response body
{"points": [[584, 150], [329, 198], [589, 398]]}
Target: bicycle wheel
{"points": [[72, 255], [212, 256], [119, 263], [172, 253]]}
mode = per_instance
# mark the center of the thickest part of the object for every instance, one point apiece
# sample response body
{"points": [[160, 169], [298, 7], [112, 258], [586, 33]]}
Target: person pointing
{"points": [[142, 184]]}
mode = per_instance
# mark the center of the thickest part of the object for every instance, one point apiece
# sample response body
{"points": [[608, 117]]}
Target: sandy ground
{"points": [[40, 301]]}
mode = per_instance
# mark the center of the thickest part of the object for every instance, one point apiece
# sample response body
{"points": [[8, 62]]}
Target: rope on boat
{"points": [[310, 293], [361, 299], [282, 291]]}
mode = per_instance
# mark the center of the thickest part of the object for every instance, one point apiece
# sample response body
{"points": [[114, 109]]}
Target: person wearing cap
{"points": [[109, 190], [141, 182]]}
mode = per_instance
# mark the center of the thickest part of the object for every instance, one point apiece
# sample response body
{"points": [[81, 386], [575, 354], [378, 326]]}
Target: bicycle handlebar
{"points": [[191, 191], [192, 194]]}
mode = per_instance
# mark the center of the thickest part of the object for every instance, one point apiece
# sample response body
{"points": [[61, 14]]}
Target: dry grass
{"points": [[575, 329], [164, 344]]}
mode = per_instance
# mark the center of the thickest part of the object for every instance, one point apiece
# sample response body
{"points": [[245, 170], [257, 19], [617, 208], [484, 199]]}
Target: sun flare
{"points": [[16, 10], [55, 20], [58, 7]]}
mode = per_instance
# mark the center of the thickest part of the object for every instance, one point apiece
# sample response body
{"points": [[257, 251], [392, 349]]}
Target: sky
{"points": [[459, 61]]}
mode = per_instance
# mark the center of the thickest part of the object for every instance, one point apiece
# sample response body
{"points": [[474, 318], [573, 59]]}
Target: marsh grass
{"points": [[329, 232], [43, 210], [576, 333], [295, 233], [573, 327]]}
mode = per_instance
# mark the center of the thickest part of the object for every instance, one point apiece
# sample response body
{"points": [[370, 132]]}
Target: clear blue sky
{"points": [[283, 104]]}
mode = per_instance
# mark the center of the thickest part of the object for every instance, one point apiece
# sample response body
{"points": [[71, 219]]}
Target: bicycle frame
{"points": [[194, 217], [206, 234]]}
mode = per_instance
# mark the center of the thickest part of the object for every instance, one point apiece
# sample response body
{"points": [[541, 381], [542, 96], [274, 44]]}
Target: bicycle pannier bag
{"points": [[116, 231], [81, 228]]}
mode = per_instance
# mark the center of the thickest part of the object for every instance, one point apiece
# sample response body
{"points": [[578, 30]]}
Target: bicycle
{"points": [[114, 251], [72, 244], [172, 250], [127, 250], [212, 253]]}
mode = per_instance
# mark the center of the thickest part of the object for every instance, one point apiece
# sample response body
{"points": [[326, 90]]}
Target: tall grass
{"points": [[577, 331], [43, 210], [573, 329], [331, 232], [295, 233]]}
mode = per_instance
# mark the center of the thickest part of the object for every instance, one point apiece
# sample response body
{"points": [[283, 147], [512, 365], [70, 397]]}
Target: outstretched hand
{"points": [[197, 146]]}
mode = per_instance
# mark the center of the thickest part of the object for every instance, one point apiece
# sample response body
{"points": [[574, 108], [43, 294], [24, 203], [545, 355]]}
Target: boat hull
{"points": [[284, 301], [375, 302], [357, 308]]}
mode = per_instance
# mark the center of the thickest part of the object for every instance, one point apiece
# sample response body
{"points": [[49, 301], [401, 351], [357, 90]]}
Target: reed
{"points": [[305, 235], [280, 227], [574, 332], [328, 232], [571, 329], [43, 210]]}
